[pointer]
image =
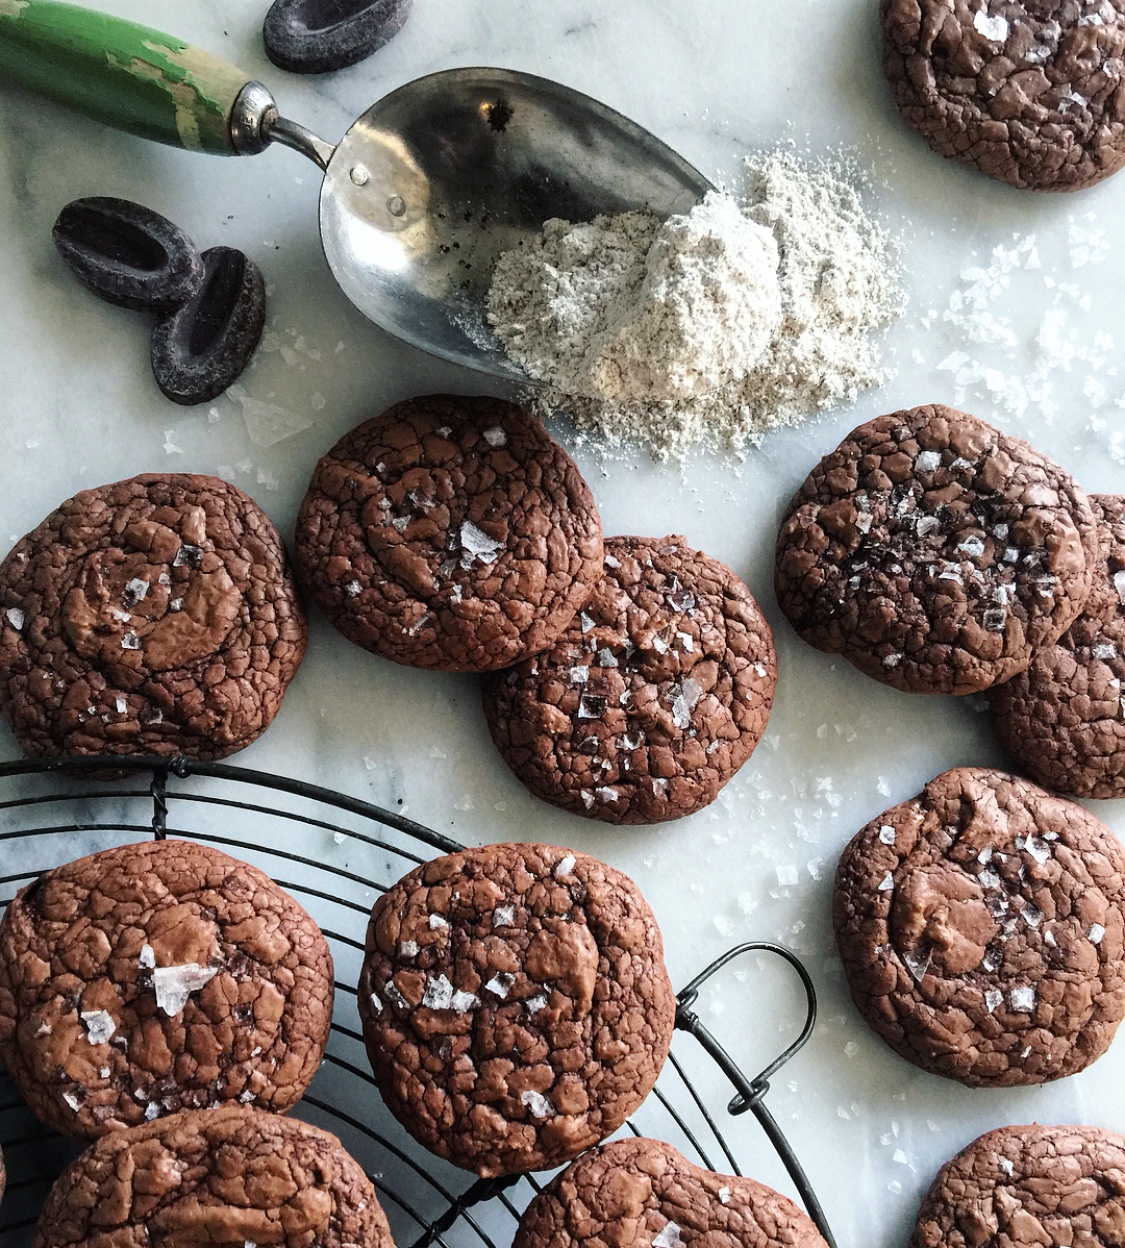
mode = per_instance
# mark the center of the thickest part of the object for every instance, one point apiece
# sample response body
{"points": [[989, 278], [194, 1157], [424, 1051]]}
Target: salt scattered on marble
{"points": [[787, 876]]}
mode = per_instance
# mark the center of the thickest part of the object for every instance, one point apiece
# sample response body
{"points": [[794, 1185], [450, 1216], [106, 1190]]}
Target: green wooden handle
{"points": [[117, 72]]}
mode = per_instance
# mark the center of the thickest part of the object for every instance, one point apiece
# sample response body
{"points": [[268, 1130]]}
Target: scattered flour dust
{"points": [[691, 305], [628, 307]]}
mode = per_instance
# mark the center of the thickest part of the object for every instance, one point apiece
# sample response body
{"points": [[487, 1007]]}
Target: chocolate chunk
{"points": [[1029, 92], [653, 697], [315, 36], [1063, 719], [1027, 1187], [982, 928], [157, 977], [202, 347], [515, 1004], [642, 1192], [128, 254], [156, 615], [449, 533], [230, 1176], [935, 553]]}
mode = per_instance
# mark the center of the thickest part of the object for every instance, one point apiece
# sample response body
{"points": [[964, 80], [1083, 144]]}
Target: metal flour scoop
{"points": [[422, 193]]}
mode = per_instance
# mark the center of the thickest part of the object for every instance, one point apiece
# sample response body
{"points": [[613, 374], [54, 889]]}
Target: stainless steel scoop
{"points": [[428, 186]]}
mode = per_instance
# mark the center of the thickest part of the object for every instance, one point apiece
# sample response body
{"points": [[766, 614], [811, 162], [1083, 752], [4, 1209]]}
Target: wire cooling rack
{"points": [[335, 854]]}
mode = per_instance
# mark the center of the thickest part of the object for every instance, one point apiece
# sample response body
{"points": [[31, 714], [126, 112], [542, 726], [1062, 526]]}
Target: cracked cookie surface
{"points": [[156, 615], [982, 929], [1031, 92], [157, 977], [642, 1192], [515, 1004], [935, 553], [449, 533], [653, 697], [1027, 1186], [227, 1176], [1063, 719]]}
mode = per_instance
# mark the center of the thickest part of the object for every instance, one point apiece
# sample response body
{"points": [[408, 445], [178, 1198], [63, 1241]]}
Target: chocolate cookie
{"points": [[935, 553], [515, 1004], [156, 615], [982, 928], [1028, 1186], [228, 1176], [449, 533], [642, 1192], [1063, 719], [653, 697], [157, 977], [1028, 91]]}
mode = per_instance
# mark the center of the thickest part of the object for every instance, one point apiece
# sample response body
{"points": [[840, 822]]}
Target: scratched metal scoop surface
{"points": [[437, 178]]}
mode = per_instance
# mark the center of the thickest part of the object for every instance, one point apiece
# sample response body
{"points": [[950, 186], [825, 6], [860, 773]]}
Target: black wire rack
{"points": [[335, 854]]}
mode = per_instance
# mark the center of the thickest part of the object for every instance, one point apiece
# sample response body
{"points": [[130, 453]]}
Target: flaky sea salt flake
{"points": [[463, 1002], [887, 834], [537, 1103], [1094, 933], [16, 617], [503, 916], [1022, 1000], [99, 1025], [174, 984], [564, 866], [887, 883], [438, 994], [476, 544], [667, 1237]]}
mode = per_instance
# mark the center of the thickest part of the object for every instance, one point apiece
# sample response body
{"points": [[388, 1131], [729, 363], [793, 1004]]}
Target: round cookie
{"points": [[227, 1176], [1027, 1186], [641, 1191], [1063, 719], [449, 533], [982, 929], [157, 977], [156, 615], [1028, 91], [935, 553], [515, 1004], [653, 697]]}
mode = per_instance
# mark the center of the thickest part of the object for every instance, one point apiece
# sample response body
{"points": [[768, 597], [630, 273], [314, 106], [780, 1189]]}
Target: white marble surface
{"points": [[716, 79]]}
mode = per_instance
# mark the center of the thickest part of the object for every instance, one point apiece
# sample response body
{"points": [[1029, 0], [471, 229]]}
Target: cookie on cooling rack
{"points": [[935, 553], [515, 1004], [1024, 1186], [642, 1191], [1063, 719], [1026, 91], [982, 928], [449, 533], [226, 1176], [156, 615], [652, 698], [157, 977]]}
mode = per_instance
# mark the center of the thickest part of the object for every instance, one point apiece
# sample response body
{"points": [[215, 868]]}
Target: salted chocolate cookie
{"points": [[228, 1176], [642, 1192], [1026, 1187], [156, 615], [449, 533], [935, 553], [1063, 719], [157, 977], [515, 1004], [982, 928], [1028, 91], [653, 697]]}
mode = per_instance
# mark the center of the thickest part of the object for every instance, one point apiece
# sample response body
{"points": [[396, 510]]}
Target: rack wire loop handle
{"points": [[751, 1093]]}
